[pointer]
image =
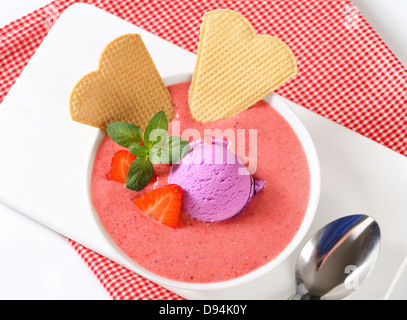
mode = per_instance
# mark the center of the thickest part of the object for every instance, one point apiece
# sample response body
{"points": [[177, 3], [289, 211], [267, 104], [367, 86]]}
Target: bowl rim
{"points": [[315, 183]]}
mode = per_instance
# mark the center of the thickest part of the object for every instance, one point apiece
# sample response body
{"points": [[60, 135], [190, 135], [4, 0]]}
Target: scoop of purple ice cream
{"points": [[216, 184]]}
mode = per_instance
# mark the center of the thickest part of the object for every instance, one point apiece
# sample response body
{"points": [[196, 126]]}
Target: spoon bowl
{"points": [[337, 258]]}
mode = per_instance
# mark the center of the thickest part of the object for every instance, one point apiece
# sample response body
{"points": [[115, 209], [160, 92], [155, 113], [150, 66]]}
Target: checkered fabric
{"points": [[121, 283], [346, 74]]}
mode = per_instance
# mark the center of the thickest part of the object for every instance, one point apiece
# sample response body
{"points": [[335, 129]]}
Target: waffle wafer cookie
{"points": [[126, 87], [235, 68]]}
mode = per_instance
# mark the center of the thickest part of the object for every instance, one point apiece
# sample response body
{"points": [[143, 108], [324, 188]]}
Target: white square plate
{"points": [[44, 166]]}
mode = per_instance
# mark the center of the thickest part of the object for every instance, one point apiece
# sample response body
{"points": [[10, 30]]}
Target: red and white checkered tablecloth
{"points": [[346, 74]]}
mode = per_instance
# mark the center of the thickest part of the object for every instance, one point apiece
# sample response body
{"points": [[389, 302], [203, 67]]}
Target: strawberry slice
{"points": [[162, 204], [120, 165]]}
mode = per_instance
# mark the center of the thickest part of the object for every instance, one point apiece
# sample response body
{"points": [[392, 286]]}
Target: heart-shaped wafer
{"points": [[126, 87], [235, 68]]}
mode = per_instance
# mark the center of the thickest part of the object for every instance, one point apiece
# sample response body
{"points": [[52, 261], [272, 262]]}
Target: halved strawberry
{"points": [[162, 204], [120, 165]]}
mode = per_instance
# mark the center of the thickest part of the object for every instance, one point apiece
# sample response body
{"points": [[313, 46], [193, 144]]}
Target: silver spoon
{"points": [[337, 258]]}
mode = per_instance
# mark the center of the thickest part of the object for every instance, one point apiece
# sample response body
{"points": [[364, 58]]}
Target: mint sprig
{"points": [[154, 147]]}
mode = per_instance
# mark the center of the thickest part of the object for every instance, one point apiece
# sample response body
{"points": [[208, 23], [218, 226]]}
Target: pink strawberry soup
{"points": [[205, 252]]}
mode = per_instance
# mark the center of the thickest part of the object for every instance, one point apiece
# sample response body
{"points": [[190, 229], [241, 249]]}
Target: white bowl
{"points": [[313, 162]]}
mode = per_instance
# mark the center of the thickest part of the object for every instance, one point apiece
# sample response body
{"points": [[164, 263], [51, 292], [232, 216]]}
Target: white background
{"points": [[38, 263]]}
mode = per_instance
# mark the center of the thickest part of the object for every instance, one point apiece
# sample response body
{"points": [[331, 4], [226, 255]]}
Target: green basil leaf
{"points": [[125, 134], [169, 151], [140, 173], [158, 123]]}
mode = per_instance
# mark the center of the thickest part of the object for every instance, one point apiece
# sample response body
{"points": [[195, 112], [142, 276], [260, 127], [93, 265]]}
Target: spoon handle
{"points": [[300, 296]]}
